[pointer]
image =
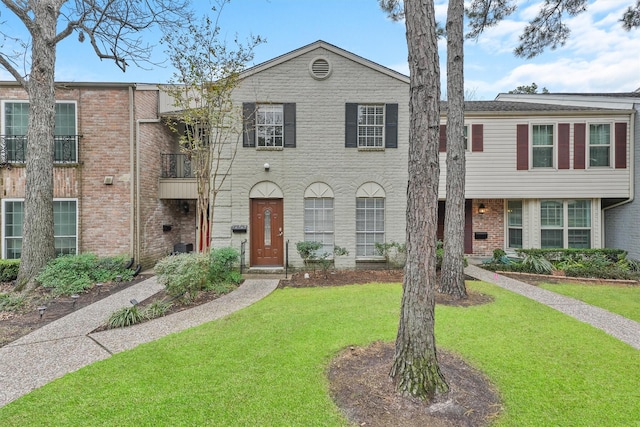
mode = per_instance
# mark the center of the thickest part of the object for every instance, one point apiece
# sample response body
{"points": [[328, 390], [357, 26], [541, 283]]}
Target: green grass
{"points": [[265, 365], [623, 300]]}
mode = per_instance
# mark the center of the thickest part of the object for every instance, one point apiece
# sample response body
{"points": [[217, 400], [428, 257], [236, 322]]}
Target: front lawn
{"points": [[623, 300], [265, 365]]}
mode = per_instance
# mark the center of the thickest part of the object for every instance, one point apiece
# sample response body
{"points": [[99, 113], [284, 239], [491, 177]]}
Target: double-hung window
{"points": [[16, 117], [65, 227], [318, 223], [369, 225], [565, 221], [514, 222], [270, 125], [542, 146], [599, 144], [371, 126]]}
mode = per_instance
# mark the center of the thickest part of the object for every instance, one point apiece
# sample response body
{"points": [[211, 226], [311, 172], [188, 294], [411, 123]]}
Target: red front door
{"points": [[267, 233]]}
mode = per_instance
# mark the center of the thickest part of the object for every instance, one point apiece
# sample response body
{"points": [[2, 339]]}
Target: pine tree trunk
{"points": [[37, 239], [415, 367], [452, 273]]}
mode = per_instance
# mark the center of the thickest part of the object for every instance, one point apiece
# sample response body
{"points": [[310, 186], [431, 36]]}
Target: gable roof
{"points": [[331, 48]]}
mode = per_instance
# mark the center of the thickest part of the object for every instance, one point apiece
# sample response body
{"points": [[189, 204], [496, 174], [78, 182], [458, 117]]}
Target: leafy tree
{"points": [[112, 28], [530, 89], [452, 271], [546, 29], [415, 367], [207, 72]]}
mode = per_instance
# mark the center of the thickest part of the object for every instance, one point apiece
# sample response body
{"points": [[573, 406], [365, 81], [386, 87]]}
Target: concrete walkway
{"points": [[67, 344], [626, 330]]}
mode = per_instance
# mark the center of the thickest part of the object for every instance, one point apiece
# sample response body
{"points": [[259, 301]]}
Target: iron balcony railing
{"points": [[176, 166], [13, 148]]}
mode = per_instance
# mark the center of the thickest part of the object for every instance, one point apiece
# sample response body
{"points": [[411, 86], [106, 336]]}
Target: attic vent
{"points": [[320, 68]]}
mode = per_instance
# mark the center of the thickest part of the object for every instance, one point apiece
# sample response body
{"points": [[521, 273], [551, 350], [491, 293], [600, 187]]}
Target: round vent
{"points": [[320, 68]]}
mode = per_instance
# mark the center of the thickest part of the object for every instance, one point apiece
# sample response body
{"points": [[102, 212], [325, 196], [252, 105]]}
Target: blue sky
{"points": [[599, 57]]}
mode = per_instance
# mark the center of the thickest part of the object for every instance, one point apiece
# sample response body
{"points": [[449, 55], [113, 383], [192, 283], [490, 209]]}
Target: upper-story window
{"points": [[542, 146], [14, 141], [269, 126], [370, 126], [599, 144]]}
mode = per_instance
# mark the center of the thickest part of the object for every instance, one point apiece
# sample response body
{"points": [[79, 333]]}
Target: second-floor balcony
{"points": [[13, 149], [176, 166], [177, 179]]}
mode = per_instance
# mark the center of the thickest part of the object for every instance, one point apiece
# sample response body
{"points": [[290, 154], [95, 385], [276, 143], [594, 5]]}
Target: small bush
{"points": [[183, 275], [11, 302], [9, 269], [222, 264], [308, 251], [72, 274], [124, 317]]}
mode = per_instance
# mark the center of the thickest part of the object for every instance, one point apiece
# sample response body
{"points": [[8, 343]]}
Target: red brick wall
{"points": [[491, 222]]}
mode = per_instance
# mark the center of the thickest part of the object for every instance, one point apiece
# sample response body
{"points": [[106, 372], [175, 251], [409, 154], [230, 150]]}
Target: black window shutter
{"points": [[289, 125], [248, 124], [391, 126], [351, 126]]}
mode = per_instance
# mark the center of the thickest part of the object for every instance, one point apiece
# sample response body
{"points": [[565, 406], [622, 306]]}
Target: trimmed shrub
{"points": [[72, 274], [222, 266], [183, 275], [9, 269]]}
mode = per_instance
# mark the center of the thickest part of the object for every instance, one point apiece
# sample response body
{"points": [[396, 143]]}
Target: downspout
{"points": [[138, 122], [632, 164], [131, 171]]}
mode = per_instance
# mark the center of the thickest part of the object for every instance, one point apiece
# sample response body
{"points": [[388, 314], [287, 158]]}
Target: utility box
{"points": [[182, 248]]}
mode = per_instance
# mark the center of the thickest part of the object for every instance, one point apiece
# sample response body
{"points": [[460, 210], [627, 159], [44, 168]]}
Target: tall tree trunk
{"points": [[452, 273], [415, 367], [37, 238]]}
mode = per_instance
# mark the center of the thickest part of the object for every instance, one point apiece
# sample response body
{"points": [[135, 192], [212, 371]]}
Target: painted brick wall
{"points": [[320, 154]]}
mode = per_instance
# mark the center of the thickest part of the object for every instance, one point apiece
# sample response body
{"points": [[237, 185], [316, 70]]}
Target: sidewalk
{"points": [[626, 330], [67, 344]]}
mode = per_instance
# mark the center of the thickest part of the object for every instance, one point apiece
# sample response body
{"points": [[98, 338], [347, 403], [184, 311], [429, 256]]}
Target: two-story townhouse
{"points": [[108, 139], [323, 158], [621, 213], [541, 175]]}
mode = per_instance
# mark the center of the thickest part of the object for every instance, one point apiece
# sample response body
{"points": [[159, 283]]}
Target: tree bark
{"points": [[37, 238], [452, 273], [415, 367]]}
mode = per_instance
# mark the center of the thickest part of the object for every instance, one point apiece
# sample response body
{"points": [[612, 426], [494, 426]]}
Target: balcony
{"points": [[177, 180], [13, 149], [176, 166]]}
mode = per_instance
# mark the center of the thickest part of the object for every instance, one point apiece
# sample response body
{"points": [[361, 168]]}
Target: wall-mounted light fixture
{"points": [[267, 166], [482, 209]]}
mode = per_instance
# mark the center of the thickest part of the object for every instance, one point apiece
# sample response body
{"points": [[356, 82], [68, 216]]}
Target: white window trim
{"points": [[611, 144], [257, 126], [17, 199], [23, 101], [565, 221], [383, 126], [554, 160], [507, 226]]}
